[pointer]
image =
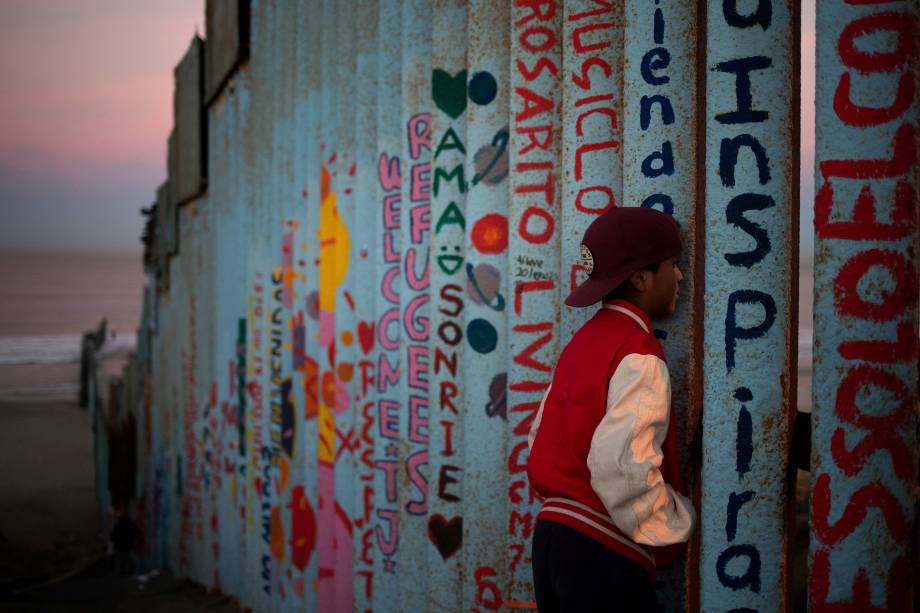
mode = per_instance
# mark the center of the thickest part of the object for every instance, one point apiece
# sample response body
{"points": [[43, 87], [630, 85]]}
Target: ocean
{"points": [[48, 300]]}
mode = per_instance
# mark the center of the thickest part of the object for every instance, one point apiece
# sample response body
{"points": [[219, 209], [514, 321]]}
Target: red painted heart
{"points": [[447, 536], [366, 336]]}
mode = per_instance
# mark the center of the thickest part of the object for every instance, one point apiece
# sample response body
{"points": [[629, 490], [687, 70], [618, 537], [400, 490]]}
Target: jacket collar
{"points": [[628, 308]]}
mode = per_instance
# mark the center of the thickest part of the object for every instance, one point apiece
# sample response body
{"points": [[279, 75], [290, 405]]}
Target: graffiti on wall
{"points": [[536, 48], [354, 340], [865, 389], [593, 133], [750, 208]]}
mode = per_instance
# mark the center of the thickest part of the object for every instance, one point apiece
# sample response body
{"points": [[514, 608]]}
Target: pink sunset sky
{"points": [[86, 100]]}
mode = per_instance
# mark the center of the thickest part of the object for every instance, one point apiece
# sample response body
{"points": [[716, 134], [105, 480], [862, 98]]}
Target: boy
{"points": [[603, 455]]}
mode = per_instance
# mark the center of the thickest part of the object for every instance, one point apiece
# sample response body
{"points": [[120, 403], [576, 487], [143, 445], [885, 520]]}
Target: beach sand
{"points": [[52, 550], [47, 490]]}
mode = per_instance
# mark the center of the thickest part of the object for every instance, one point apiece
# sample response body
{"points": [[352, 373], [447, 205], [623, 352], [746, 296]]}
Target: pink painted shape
{"points": [[344, 561], [342, 399], [326, 537], [326, 328], [388, 172]]}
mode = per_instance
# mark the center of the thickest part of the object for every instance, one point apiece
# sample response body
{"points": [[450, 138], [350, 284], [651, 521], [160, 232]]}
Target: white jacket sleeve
{"points": [[625, 455], [536, 421]]}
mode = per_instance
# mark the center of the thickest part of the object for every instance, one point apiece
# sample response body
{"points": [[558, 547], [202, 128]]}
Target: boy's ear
{"points": [[639, 280]]}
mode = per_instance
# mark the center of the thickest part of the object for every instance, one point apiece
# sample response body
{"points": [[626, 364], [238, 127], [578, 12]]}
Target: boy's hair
{"points": [[620, 290]]}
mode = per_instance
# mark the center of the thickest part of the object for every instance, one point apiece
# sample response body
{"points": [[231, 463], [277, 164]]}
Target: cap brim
{"points": [[592, 290]]}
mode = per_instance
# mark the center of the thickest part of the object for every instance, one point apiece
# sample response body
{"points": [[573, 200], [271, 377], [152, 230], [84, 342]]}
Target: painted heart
{"points": [[366, 336], [447, 536], [449, 92]]}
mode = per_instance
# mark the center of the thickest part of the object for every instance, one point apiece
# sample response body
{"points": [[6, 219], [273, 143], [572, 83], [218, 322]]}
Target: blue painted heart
{"points": [[449, 92]]}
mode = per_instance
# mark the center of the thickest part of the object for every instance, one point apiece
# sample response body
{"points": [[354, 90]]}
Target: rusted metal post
{"points": [[203, 286], [592, 120], [224, 135], [328, 231], [660, 136], [337, 221], [387, 488], [750, 321], [309, 119], [237, 166], [201, 289], [237, 170], [445, 392], [224, 321], [188, 475], [415, 221], [296, 266], [864, 442], [284, 221], [485, 358], [258, 164], [363, 251], [534, 225]]}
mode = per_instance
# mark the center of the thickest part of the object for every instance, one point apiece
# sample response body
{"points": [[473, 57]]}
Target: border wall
{"points": [[358, 260]]}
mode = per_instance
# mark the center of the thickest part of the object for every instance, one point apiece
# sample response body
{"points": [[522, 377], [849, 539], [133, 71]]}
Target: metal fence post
{"points": [[485, 311], [363, 252], [387, 490], [749, 360], [864, 449], [414, 217], [592, 134], [534, 225], [660, 161], [446, 483]]}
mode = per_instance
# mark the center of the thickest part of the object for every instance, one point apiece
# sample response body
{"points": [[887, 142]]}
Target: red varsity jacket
{"points": [[603, 455]]}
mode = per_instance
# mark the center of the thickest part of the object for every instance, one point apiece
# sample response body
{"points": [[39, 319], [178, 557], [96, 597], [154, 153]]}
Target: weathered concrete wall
{"points": [[350, 345]]}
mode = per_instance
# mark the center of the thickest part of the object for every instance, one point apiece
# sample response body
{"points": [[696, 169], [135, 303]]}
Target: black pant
{"points": [[574, 573]]}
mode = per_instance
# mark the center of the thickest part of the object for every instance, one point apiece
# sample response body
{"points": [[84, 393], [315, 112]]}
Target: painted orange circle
{"points": [[490, 233]]}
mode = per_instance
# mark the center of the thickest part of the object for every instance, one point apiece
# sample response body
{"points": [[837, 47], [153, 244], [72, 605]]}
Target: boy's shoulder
{"points": [[611, 333]]}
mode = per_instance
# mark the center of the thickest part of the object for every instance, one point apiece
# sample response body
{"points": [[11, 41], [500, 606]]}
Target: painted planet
{"points": [[490, 233], [498, 396], [483, 88], [483, 283], [482, 336], [491, 164]]}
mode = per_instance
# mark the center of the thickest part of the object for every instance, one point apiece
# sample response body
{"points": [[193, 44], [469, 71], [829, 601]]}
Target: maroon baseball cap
{"points": [[617, 244]]}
